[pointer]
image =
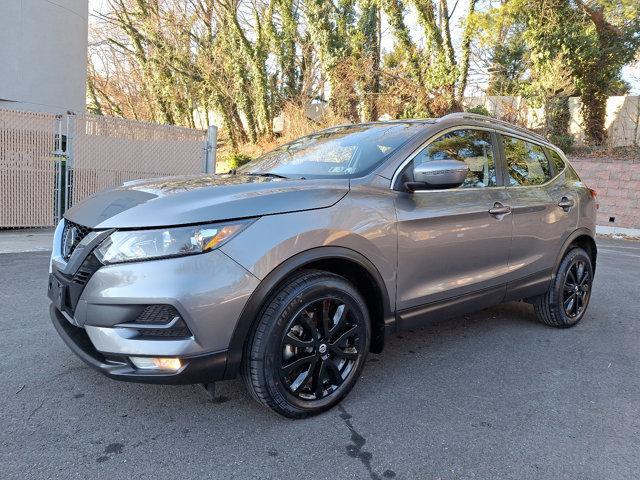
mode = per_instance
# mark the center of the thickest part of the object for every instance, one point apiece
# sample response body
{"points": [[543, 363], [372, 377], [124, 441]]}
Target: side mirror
{"points": [[438, 174]]}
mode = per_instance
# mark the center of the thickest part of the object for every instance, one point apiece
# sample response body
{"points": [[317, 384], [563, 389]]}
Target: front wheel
{"points": [[566, 301], [309, 345]]}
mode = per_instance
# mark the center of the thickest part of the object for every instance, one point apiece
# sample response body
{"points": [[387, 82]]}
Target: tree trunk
{"points": [[370, 82], [594, 112], [465, 48], [395, 13]]}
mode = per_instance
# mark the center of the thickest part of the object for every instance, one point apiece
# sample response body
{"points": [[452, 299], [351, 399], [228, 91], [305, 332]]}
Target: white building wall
{"points": [[43, 55]]}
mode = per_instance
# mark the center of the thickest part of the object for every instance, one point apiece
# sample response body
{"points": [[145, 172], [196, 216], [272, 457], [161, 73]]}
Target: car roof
{"points": [[494, 123], [470, 119]]}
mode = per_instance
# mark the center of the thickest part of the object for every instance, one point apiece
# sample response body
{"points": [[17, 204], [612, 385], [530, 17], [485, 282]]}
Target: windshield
{"points": [[347, 151]]}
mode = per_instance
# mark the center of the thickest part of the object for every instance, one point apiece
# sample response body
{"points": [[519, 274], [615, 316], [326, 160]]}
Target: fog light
{"points": [[156, 363]]}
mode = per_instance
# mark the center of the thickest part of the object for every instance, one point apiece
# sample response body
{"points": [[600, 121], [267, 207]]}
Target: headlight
{"points": [[128, 246]]}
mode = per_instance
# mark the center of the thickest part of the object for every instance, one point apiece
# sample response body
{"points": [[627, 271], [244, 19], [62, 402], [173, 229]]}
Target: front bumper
{"points": [[93, 312], [195, 369]]}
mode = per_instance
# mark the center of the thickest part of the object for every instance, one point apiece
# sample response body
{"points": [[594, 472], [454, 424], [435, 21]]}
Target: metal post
{"points": [[71, 123], [58, 155], [210, 150]]}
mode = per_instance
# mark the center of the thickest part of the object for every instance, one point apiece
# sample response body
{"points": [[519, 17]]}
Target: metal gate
{"points": [[50, 162], [27, 168]]}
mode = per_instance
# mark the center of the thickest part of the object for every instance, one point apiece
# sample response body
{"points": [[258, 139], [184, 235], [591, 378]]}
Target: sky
{"points": [[477, 80]]}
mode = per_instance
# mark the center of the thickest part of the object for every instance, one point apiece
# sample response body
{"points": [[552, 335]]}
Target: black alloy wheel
{"points": [[320, 347], [309, 344], [577, 288], [566, 301]]}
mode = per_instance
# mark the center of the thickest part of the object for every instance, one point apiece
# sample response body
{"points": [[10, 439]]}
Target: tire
{"points": [[556, 307], [300, 361]]}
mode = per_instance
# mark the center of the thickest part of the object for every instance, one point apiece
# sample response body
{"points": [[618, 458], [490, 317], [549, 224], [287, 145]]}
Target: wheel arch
{"points": [[339, 260], [583, 238]]}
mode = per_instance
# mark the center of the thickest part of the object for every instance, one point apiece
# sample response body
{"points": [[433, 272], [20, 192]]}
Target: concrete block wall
{"points": [[617, 182]]}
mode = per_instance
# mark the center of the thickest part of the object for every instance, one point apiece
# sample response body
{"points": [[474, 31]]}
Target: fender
{"points": [[268, 285], [565, 246]]}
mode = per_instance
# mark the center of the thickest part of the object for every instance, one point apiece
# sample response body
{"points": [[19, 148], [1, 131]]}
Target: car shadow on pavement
{"points": [[405, 356]]}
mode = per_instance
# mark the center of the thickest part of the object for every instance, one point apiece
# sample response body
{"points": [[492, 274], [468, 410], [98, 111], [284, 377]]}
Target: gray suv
{"points": [[289, 270]]}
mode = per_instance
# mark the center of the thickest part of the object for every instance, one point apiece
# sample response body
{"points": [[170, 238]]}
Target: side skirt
{"points": [[451, 307], [530, 286], [527, 287]]}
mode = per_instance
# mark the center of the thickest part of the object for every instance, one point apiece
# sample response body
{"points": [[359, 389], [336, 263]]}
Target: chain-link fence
{"points": [[108, 151], [27, 168], [50, 162]]}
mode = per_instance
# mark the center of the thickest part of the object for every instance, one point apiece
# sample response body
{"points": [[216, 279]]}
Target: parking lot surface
{"points": [[488, 395]]}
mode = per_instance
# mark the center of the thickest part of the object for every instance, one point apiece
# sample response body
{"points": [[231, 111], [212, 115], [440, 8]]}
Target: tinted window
{"points": [[473, 147], [346, 151], [556, 160], [526, 163]]}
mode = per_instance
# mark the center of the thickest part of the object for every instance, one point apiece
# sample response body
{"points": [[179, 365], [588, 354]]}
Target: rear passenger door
{"points": [[540, 222]]}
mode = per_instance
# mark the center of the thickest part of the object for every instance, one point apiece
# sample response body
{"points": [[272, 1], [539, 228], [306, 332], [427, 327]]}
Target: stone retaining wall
{"points": [[617, 182]]}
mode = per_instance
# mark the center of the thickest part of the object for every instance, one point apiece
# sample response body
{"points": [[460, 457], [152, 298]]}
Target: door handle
{"points": [[566, 203], [499, 209]]}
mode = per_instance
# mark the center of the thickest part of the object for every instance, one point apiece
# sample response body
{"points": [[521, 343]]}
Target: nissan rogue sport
{"points": [[290, 269]]}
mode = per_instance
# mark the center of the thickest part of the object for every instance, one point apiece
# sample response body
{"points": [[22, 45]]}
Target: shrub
{"points": [[558, 117], [233, 160], [563, 141], [479, 110]]}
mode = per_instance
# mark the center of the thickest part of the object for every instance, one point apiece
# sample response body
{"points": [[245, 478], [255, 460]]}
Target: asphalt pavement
{"points": [[489, 395]]}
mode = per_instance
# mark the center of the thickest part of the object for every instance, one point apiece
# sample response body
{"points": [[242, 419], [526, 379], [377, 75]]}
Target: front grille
{"points": [[82, 276], [72, 235], [74, 285], [90, 266]]}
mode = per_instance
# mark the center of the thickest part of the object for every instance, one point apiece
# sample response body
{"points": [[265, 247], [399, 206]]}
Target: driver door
{"points": [[452, 252]]}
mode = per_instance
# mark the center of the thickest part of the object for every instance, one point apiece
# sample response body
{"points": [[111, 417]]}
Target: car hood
{"points": [[203, 198]]}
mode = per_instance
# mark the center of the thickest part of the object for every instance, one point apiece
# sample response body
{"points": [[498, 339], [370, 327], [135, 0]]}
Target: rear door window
{"points": [[526, 163]]}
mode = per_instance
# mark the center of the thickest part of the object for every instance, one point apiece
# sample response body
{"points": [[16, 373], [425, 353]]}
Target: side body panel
{"points": [[540, 226], [364, 221], [449, 245], [541, 229], [587, 205], [452, 253]]}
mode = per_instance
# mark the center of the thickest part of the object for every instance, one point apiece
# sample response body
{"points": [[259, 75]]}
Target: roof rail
{"points": [[491, 120]]}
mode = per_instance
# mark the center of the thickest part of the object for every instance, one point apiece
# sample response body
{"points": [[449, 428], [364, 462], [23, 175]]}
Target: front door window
{"points": [[474, 147]]}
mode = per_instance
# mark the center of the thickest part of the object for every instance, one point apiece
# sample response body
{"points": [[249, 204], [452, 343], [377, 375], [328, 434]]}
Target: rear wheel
{"points": [[309, 345], [566, 301]]}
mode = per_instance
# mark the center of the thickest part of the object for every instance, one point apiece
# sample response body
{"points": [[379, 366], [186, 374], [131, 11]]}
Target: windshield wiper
{"points": [[266, 174]]}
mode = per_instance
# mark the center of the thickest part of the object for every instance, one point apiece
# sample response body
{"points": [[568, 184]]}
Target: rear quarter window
{"points": [[556, 161]]}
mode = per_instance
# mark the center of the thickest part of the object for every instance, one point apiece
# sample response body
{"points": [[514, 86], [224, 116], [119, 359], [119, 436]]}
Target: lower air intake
{"points": [[161, 321], [160, 314]]}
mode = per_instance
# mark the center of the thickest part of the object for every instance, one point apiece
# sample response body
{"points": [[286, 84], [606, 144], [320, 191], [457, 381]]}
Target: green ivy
{"points": [[235, 160]]}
